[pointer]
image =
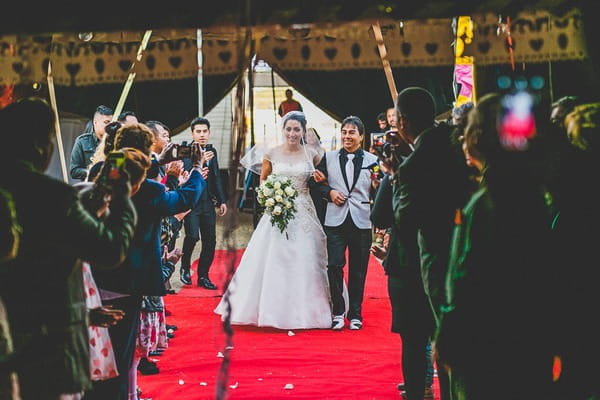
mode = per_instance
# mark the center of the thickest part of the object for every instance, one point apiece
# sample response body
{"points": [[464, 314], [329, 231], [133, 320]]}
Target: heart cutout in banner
{"points": [[355, 50], [97, 47], [561, 23], [305, 52], [125, 65], [225, 56], [73, 69], [484, 47], [18, 67], [279, 53], [536, 44], [330, 53], [175, 61], [150, 62], [99, 65], [563, 41], [406, 48], [431, 48]]}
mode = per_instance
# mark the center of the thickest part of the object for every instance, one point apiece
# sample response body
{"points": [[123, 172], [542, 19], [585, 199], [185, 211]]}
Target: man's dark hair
{"points": [[567, 102], [126, 114], [354, 120], [381, 117], [152, 124], [30, 122], [104, 110], [416, 105], [199, 121], [138, 136]]}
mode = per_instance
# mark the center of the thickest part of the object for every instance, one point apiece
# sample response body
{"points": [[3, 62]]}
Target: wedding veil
{"points": [[308, 149]]}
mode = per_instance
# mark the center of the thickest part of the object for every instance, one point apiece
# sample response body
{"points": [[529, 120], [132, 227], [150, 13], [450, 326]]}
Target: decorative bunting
{"points": [[106, 57]]}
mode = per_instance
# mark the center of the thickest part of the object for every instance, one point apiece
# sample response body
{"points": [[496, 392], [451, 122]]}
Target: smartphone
{"points": [[111, 170]]}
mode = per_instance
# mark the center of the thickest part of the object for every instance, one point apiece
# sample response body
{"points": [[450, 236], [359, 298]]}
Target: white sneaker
{"points": [[355, 324], [337, 323]]}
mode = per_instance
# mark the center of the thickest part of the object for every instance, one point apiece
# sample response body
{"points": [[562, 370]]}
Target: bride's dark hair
{"points": [[297, 116]]}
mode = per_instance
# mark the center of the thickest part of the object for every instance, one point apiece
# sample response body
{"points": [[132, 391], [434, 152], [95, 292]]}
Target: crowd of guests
{"points": [[488, 250], [92, 260], [490, 224]]}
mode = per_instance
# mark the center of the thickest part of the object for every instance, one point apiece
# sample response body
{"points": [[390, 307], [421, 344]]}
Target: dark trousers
{"points": [[200, 223], [123, 338], [358, 242], [413, 320]]}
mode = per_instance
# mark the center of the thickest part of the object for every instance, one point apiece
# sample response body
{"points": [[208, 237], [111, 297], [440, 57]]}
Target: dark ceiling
{"points": [[21, 16]]}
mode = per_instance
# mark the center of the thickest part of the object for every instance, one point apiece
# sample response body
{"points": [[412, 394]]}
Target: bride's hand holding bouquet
{"points": [[277, 194]]}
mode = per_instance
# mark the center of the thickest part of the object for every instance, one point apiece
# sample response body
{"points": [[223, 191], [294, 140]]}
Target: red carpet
{"points": [[319, 364]]}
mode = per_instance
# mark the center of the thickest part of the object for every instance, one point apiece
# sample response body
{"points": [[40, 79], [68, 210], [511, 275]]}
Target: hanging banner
{"points": [[536, 37], [172, 54], [88, 63], [353, 46]]}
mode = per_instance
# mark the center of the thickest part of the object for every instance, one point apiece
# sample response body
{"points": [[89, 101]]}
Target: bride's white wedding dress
{"points": [[282, 282]]}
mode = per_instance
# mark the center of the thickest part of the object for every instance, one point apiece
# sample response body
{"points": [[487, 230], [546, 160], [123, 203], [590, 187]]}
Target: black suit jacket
{"points": [[432, 184], [215, 193]]}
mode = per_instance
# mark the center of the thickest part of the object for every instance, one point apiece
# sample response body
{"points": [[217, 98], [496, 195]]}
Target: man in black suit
{"points": [[431, 183], [201, 222]]}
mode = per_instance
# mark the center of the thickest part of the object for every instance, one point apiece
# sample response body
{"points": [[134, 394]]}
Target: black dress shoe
{"points": [[147, 367], [172, 327], [206, 283], [184, 276]]}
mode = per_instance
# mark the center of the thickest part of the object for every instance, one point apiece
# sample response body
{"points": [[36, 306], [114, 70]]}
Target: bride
{"points": [[281, 281]]}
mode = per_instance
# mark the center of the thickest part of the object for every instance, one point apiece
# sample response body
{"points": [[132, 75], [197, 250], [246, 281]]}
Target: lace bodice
{"points": [[299, 172]]}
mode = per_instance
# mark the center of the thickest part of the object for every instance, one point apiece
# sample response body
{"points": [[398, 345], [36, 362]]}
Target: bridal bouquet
{"points": [[277, 195]]}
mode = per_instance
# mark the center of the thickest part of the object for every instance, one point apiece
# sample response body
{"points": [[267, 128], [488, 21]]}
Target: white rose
{"points": [[277, 210], [289, 191], [269, 202], [279, 192], [288, 204], [277, 185], [279, 199], [267, 191], [260, 195]]}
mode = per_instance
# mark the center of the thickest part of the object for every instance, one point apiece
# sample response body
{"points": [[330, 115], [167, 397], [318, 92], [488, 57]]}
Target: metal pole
{"points": [[200, 76]]}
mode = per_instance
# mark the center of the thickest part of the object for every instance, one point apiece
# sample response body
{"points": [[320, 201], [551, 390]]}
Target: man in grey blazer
{"points": [[343, 177]]}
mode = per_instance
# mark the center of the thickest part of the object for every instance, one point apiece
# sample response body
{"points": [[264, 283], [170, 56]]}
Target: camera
{"points": [[184, 150], [390, 147]]}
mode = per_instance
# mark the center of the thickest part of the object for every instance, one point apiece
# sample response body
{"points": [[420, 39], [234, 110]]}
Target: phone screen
{"points": [[517, 123]]}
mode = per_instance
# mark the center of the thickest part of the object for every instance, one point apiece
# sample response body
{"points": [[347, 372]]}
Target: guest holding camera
{"points": [[201, 222], [57, 234]]}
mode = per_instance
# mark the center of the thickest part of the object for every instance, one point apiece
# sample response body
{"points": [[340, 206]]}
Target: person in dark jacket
{"points": [[432, 183], [201, 222], [141, 272], [42, 286], [85, 144]]}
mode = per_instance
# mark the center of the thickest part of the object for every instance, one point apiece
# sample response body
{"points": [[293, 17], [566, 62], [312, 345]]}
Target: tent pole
{"points": [[131, 76], [200, 74], [274, 102], [386, 64], [59, 142]]}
